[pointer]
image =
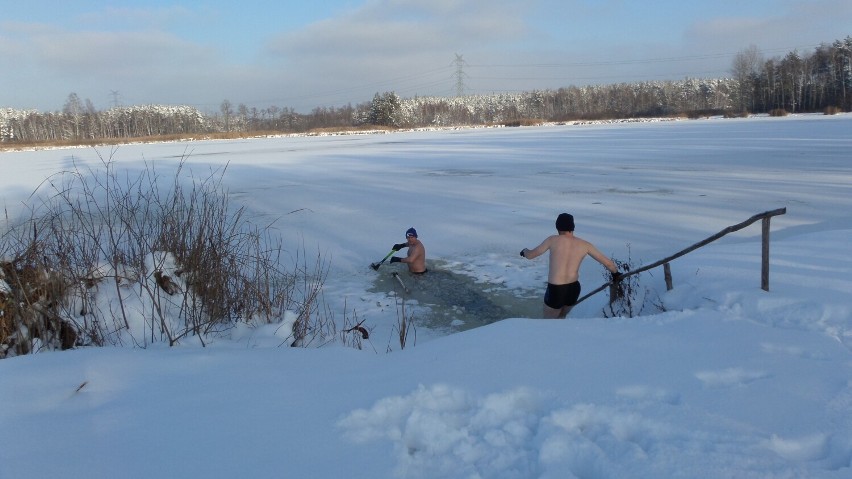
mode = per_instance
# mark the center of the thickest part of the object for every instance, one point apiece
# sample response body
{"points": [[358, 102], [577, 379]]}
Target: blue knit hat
{"points": [[411, 232]]}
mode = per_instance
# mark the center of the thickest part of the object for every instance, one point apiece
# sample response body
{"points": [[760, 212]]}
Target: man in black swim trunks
{"points": [[566, 253]]}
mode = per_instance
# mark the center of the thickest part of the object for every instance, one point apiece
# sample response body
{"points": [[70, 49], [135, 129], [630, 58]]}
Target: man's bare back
{"points": [[566, 253]]}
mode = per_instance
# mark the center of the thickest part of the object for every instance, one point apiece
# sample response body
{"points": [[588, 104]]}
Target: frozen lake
{"points": [[639, 191]]}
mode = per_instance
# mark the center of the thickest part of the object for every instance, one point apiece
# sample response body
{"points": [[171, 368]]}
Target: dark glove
{"points": [[399, 246], [394, 259], [615, 277], [523, 252]]}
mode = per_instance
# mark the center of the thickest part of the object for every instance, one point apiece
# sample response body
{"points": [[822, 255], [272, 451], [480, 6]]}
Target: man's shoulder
{"points": [[552, 239], [581, 241]]}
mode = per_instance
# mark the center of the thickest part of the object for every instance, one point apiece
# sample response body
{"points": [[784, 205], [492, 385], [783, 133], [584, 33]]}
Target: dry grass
{"points": [[342, 130], [24, 145], [350, 129], [193, 262], [519, 122], [30, 299], [30, 145]]}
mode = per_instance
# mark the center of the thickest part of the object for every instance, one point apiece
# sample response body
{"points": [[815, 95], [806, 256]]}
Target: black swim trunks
{"points": [[557, 296]]}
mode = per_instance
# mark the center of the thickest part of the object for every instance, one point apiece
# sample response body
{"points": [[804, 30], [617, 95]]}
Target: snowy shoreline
{"points": [[381, 131]]}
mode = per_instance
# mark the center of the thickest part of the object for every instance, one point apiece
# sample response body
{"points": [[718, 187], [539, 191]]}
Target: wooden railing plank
{"points": [[765, 216]]}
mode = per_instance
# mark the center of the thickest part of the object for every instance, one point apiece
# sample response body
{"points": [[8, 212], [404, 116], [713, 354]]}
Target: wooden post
{"points": [[667, 272], [764, 265]]}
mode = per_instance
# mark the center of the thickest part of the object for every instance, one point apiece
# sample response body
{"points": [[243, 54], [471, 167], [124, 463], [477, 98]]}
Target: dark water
{"points": [[446, 300]]}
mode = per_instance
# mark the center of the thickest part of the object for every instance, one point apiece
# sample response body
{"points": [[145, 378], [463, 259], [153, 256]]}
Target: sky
{"points": [[333, 53], [716, 378]]}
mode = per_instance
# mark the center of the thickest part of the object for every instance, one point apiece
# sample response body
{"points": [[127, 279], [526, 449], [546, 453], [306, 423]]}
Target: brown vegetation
{"points": [[523, 122], [99, 255], [29, 306], [232, 135]]}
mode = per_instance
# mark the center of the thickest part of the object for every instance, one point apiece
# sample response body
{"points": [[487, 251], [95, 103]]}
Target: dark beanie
{"points": [[411, 232], [564, 222]]}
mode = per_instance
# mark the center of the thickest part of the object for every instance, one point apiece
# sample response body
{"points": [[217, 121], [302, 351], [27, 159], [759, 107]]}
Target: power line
{"points": [[419, 79], [631, 62], [435, 80], [459, 62], [115, 96]]}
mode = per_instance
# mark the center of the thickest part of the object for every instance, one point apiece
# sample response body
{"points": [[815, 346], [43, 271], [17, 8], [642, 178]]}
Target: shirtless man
{"points": [[566, 253], [416, 259]]}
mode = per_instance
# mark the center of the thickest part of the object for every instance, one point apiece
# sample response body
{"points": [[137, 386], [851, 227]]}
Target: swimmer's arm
{"points": [[601, 258], [538, 250], [414, 253]]}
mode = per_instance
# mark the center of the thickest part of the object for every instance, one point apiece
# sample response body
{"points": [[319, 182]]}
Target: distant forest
{"points": [[820, 81]]}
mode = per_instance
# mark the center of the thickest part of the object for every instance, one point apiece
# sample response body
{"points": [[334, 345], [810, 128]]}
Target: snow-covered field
{"points": [[728, 381]]}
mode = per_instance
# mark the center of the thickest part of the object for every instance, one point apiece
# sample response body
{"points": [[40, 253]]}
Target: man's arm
{"points": [[414, 253], [602, 259], [538, 250]]}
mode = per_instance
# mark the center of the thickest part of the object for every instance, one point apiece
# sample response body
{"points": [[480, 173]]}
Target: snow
{"points": [[728, 381]]}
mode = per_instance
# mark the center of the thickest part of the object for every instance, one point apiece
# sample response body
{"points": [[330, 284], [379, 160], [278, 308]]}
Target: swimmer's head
{"points": [[564, 222]]}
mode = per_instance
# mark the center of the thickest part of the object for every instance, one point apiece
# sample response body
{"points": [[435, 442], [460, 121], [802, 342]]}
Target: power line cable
{"points": [[629, 61]]}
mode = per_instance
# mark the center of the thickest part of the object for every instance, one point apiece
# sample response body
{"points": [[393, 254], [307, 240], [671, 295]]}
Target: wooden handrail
{"points": [[730, 229]]}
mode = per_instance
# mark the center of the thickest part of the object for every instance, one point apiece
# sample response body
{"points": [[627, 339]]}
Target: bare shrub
{"points": [[831, 110], [629, 297], [624, 301], [705, 113], [404, 329], [110, 258], [29, 305], [355, 332], [778, 112], [523, 122], [315, 322]]}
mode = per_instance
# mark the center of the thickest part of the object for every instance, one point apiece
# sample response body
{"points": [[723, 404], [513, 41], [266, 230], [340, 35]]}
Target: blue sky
{"points": [[304, 55]]}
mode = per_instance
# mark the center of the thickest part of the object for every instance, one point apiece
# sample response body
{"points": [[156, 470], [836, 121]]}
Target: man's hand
{"points": [[399, 246], [395, 259], [615, 277], [524, 252]]}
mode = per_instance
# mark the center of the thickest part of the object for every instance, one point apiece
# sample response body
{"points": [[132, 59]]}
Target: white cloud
{"points": [[404, 28], [793, 25]]}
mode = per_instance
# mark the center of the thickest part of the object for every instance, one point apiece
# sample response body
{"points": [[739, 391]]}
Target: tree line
{"points": [[796, 82], [817, 81]]}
